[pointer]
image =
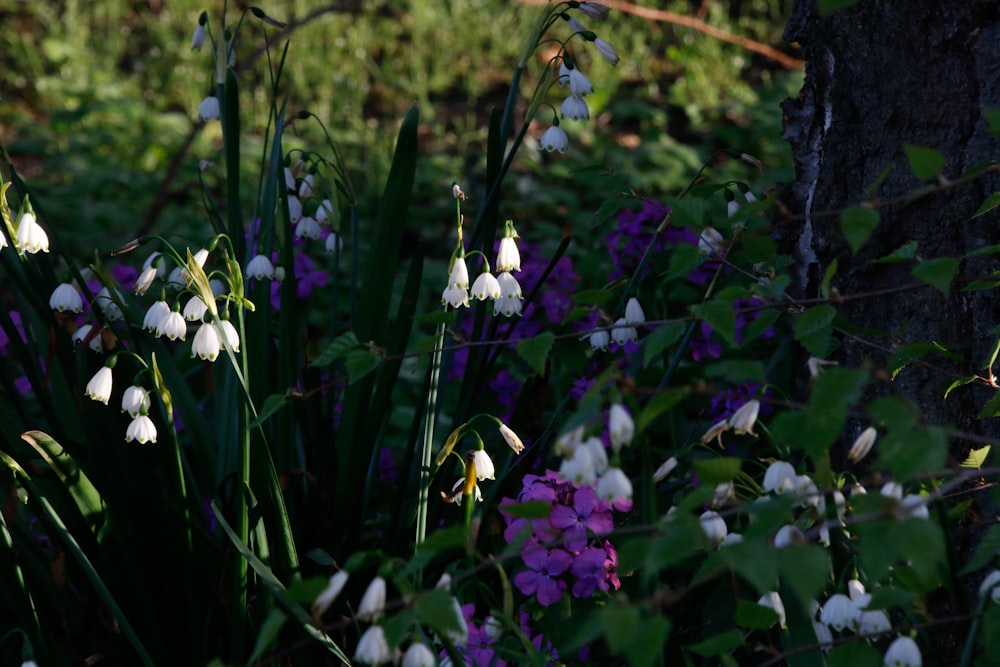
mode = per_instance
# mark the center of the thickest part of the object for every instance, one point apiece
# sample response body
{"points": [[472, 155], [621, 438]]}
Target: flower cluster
{"points": [[504, 289]]}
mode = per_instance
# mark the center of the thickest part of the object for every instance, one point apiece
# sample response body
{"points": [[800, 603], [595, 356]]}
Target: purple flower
{"points": [[587, 513], [307, 278], [702, 346], [540, 579], [611, 565], [590, 572], [636, 231]]}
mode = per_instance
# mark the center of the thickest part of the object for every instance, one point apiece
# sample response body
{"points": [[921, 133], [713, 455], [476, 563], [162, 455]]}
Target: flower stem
{"points": [[428, 441]]}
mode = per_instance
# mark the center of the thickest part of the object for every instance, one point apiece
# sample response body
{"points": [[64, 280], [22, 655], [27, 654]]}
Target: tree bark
{"points": [[881, 74]]}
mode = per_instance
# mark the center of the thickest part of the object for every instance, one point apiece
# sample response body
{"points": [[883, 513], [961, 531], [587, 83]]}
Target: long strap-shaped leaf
{"points": [[103, 593], [278, 589]]}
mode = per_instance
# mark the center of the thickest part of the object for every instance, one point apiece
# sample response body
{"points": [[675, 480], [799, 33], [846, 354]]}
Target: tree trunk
{"points": [[881, 74]]}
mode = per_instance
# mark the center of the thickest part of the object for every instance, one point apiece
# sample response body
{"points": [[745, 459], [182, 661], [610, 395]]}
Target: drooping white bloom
{"points": [[96, 344], [839, 612], [732, 207], [455, 297], [260, 267], [309, 228], [492, 627], [230, 338], [198, 38], [324, 212], [31, 238], [892, 490], [555, 139], [912, 506], [418, 655], [725, 493], [485, 287], [903, 652], [664, 470], [620, 426], [575, 108], [373, 601], [862, 444], [508, 256], [135, 400], [575, 24], [142, 429], [206, 342], [579, 467], [66, 298], [457, 491], [568, 442], [334, 243], [633, 312], [99, 387], [294, 209], [195, 309], [872, 622], [597, 454], [743, 420], [209, 109], [855, 589], [773, 601], [579, 84], [714, 527], [607, 51], [289, 179], [599, 340], [621, 334], [459, 276], [990, 586], [614, 485], [483, 464], [458, 637], [715, 431], [330, 593], [509, 302], [710, 241], [372, 647], [145, 280], [787, 536], [109, 305], [731, 539], [511, 438], [306, 186], [780, 477], [807, 490], [171, 325], [594, 10]]}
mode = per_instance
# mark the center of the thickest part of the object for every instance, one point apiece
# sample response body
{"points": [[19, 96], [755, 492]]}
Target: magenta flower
{"points": [[540, 580], [588, 568], [586, 513]]}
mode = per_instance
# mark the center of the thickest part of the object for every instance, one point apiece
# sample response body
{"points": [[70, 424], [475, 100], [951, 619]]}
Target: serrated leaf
{"points": [[976, 458], [910, 452], [340, 346], [904, 354], [760, 324], [937, 272], [992, 407], [755, 616], [660, 339], [360, 363], [717, 470], [535, 350], [991, 203], [437, 609], [925, 163], [830, 6], [903, 253], [857, 224], [718, 314], [814, 329]]}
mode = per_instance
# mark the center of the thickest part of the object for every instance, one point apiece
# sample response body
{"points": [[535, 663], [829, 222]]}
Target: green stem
{"points": [[428, 441]]}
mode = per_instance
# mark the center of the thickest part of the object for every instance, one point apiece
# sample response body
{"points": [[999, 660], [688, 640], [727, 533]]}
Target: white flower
{"points": [[862, 444], [511, 439], [485, 287], [334, 243], [839, 612], [330, 593], [743, 419], [306, 187], [716, 431], [787, 536], [31, 238], [508, 256], [455, 297], [579, 84], [731, 539], [912, 506], [171, 324], [99, 387], [459, 637], [206, 343], [724, 494], [555, 139], [872, 622], [509, 287], [773, 601], [599, 340], [990, 586], [492, 627], [567, 443], [109, 305], [903, 652], [815, 365], [372, 647], [664, 470], [289, 179], [230, 338], [597, 454], [579, 467], [575, 108], [324, 211], [81, 334], [459, 276], [135, 400], [780, 477], [198, 38], [634, 313], [209, 109], [855, 589], [607, 51], [623, 334], [418, 655], [714, 527], [457, 490], [145, 280], [141, 429], [594, 10], [621, 426], [807, 490], [308, 227], [260, 267], [65, 297], [294, 209], [483, 465], [373, 601], [614, 485], [195, 309], [444, 582], [731, 208], [711, 241], [575, 24]]}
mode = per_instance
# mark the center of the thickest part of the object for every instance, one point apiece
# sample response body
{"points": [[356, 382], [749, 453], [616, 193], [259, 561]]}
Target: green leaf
{"points": [[531, 509], [360, 363], [925, 163], [993, 120], [804, 567], [854, 654], [911, 452], [437, 610], [267, 634], [340, 346], [830, 6], [660, 339], [652, 634], [894, 412], [536, 350], [271, 404], [814, 329], [960, 382], [904, 354], [759, 248], [717, 470], [937, 272], [764, 321], [857, 224], [987, 550], [755, 616], [593, 297], [718, 314], [662, 402], [887, 597], [976, 458], [903, 253], [991, 203], [721, 643], [737, 371], [831, 271]]}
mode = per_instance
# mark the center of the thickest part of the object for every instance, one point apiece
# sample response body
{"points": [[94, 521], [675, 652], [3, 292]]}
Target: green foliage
{"points": [[857, 224], [925, 163]]}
